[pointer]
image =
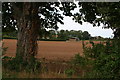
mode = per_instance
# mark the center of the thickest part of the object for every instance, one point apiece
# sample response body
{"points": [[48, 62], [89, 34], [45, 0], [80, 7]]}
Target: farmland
{"points": [[55, 57], [42, 30], [51, 50]]}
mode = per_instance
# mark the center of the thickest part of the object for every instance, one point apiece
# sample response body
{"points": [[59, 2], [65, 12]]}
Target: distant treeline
{"points": [[53, 35], [66, 34]]}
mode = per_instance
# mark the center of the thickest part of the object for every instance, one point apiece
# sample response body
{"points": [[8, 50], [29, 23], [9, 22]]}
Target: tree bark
{"points": [[27, 33]]}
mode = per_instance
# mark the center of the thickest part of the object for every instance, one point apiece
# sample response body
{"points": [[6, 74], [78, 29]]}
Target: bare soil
{"points": [[50, 50], [53, 56]]}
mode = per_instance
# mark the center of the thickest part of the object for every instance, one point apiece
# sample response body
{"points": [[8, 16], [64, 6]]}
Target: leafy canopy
{"points": [[48, 13]]}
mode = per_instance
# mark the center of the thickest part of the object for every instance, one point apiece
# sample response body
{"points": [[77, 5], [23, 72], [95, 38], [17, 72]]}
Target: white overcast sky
{"points": [[69, 24]]}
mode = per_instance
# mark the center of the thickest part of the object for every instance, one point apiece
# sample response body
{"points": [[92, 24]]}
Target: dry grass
{"points": [[48, 70]]}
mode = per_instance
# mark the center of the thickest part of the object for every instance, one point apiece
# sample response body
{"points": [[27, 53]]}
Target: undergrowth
{"points": [[14, 64], [103, 58]]}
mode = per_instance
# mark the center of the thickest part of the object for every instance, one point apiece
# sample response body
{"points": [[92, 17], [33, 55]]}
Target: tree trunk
{"points": [[27, 33]]}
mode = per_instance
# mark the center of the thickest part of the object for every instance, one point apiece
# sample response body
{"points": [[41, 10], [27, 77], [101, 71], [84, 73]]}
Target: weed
{"points": [[79, 60], [15, 65], [69, 72]]}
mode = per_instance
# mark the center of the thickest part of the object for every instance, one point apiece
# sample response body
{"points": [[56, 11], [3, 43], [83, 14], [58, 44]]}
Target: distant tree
{"points": [[79, 34], [73, 33], [43, 33], [85, 35], [65, 34], [10, 34], [52, 34], [62, 34]]}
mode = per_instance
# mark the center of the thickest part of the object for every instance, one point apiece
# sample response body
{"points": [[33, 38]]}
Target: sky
{"points": [[69, 24]]}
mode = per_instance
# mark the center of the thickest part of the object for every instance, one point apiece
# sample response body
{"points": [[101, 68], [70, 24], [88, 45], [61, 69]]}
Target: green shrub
{"points": [[19, 65], [94, 51], [79, 60], [106, 57], [15, 64], [69, 72]]}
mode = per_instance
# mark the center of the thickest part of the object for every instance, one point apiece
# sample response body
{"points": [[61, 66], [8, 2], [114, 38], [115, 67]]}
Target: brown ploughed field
{"points": [[54, 56], [50, 50]]}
